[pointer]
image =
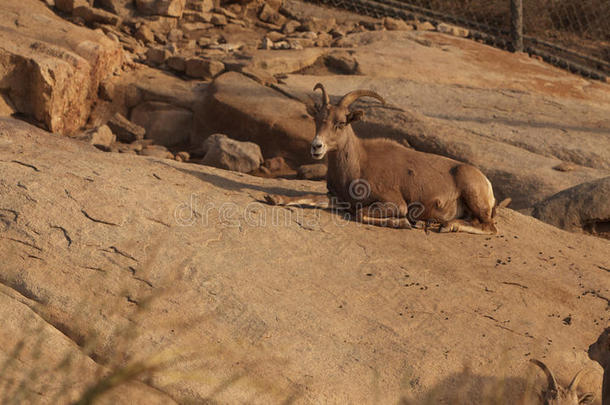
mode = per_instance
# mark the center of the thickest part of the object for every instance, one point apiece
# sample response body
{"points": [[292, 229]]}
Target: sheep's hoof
{"points": [[403, 223], [397, 223], [274, 199], [446, 228], [427, 225]]}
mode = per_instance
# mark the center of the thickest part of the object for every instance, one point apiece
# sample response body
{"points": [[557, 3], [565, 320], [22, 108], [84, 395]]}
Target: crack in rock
{"points": [[23, 243], [66, 234], [26, 165], [101, 221]]}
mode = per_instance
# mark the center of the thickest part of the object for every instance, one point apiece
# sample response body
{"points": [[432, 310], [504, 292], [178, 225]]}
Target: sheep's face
{"points": [[555, 394], [567, 397], [600, 350], [332, 129]]}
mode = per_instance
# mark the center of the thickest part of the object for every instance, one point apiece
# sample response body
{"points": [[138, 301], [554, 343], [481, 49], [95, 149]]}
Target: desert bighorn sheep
{"points": [[555, 394], [384, 183], [600, 352]]}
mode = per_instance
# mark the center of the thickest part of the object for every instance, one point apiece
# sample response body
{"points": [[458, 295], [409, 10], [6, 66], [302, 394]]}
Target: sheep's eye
{"points": [[340, 125]]}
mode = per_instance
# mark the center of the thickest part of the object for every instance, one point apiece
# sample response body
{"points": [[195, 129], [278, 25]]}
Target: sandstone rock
{"points": [[157, 55], [182, 156], [300, 43], [259, 75], [178, 63], [276, 164], [281, 45], [6, 106], [148, 84], [229, 154], [248, 111], [121, 8], [315, 171], [271, 16], [227, 13], [69, 5], [394, 24], [145, 34], [317, 24], [197, 16], [156, 152], [342, 62], [296, 44], [203, 69], [196, 30], [175, 35], [205, 42], [337, 33], [275, 5], [424, 26], [324, 40], [268, 26], [582, 207], [218, 19], [452, 30], [52, 68], [102, 137], [200, 5], [164, 123], [170, 8], [125, 130], [275, 36], [95, 15], [290, 27]]}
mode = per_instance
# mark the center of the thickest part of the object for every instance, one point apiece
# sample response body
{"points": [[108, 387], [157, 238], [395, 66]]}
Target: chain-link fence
{"points": [[572, 34]]}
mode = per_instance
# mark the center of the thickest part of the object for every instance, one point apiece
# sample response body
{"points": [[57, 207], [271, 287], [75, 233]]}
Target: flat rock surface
{"points": [[266, 304]]}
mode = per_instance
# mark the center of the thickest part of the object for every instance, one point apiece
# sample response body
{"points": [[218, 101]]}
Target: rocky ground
{"points": [[129, 260]]}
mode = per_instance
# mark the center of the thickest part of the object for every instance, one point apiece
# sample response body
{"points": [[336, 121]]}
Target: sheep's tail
{"points": [[503, 204]]}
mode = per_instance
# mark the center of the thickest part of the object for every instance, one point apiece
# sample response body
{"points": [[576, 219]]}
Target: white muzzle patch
{"points": [[318, 149]]}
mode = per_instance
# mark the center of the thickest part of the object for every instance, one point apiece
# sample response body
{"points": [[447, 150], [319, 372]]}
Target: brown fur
{"points": [[454, 194]]}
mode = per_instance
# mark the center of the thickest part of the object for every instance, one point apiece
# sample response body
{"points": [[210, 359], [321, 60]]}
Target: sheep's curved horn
{"points": [[325, 98], [352, 96], [576, 380], [549, 376]]}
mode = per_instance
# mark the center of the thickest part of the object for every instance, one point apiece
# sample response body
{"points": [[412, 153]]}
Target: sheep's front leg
{"points": [[310, 200], [384, 214]]}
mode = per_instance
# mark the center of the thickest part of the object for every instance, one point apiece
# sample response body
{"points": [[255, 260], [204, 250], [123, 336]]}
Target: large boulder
{"points": [[229, 154], [122, 8], [115, 258], [165, 123], [49, 68], [125, 130], [248, 111], [583, 207], [169, 8]]}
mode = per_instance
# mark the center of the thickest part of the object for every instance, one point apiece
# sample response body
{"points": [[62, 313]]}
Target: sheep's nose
{"points": [[316, 145]]}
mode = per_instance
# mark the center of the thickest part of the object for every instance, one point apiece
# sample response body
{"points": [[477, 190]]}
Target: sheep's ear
{"points": [[586, 398], [355, 116]]}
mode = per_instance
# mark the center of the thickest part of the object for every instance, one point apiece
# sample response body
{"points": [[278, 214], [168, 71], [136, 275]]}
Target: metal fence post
{"points": [[516, 12]]}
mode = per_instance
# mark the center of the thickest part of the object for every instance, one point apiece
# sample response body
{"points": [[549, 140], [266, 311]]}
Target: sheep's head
{"points": [[600, 350], [333, 121], [555, 394]]}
